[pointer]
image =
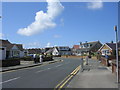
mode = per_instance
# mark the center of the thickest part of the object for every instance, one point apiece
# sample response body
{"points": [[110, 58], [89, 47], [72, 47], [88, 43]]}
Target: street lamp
{"points": [[117, 62], [86, 45]]}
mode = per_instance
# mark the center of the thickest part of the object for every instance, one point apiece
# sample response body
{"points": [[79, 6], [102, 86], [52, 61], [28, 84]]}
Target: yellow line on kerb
{"points": [[64, 79], [63, 83], [68, 79]]}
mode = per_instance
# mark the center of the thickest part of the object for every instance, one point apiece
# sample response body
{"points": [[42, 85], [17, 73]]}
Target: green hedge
{"points": [[27, 58], [10, 62], [47, 58]]}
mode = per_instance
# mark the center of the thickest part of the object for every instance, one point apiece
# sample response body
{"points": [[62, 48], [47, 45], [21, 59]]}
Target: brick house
{"points": [[109, 49], [87, 48]]}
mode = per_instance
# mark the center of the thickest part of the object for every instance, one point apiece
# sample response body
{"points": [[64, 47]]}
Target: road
{"points": [[46, 76]]}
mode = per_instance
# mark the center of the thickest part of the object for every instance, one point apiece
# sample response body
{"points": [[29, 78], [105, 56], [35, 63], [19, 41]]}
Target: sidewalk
{"points": [[94, 75], [26, 64]]}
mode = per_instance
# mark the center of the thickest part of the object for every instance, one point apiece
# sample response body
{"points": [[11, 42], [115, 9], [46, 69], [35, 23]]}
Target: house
{"points": [[87, 48], [74, 49], [9, 50], [33, 51], [62, 50], [2, 53], [59, 50], [109, 49], [49, 51]]}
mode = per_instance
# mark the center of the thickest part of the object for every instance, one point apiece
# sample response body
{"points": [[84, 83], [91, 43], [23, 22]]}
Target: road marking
{"points": [[42, 70], [9, 80], [59, 65], [48, 68], [64, 82], [74, 73], [30, 67]]}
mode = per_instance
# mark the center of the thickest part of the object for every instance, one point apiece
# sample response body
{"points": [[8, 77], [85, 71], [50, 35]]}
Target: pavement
{"points": [[26, 64], [95, 75]]}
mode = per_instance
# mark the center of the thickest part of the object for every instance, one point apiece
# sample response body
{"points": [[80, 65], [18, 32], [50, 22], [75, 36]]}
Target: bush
{"points": [[27, 58], [47, 58]]}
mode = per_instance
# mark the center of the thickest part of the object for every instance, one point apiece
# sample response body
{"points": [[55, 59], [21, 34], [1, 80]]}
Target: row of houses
{"points": [[8, 49]]}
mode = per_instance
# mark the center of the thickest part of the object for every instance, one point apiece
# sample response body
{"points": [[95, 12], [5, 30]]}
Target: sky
{"points": [[41, 24]]}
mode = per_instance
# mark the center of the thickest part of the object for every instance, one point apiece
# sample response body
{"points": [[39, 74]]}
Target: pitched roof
{"points": [[76, 46], [92, 44], [60, 48], [49, 51], [8, 45], [19, 46], [34, 51], [113, 45]]}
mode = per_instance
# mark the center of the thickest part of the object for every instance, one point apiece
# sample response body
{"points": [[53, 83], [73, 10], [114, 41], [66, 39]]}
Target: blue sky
{"points": [[77, 22]]}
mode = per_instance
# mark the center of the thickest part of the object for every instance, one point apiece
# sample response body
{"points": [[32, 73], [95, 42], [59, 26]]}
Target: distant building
{"points": [[8, 50], [33, 51], [109, 49], [75, 49], [59, 50], [86, 48]]}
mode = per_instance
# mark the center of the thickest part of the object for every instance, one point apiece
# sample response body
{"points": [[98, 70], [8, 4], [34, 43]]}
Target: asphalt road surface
{"points": [[46, 76]]}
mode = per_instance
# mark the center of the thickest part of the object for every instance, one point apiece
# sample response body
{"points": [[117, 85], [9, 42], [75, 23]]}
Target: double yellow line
{"points": [[64, 82]]}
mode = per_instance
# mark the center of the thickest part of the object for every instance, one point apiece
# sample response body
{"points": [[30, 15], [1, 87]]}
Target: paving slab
{"points": [[98, 76]]}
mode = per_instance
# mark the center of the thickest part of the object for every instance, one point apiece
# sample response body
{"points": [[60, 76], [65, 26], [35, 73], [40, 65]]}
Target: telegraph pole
{"points": [[117, 61]]}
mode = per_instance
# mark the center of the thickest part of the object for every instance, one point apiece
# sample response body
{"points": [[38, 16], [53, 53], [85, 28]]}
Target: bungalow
{"points": [[2, 53], [74, 49], [33, 51], [8, 50], [59, 50], [62, 50], [109, 49], [86, 48]]}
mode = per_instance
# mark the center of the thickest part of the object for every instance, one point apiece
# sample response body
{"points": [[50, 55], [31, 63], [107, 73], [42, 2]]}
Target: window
{"points": [[105, 52], [15, 53]]}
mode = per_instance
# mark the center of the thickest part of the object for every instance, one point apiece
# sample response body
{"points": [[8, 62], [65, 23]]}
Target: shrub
{"points": [[10, 62], [27, 58]]}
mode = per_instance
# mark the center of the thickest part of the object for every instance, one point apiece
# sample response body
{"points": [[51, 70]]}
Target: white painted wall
{"points": [[2, 53], [22, 53], [55, 52], [15, 48]]}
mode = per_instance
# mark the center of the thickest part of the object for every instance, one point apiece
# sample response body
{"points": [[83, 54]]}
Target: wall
{"points": [[22, 53], [114, 69], [2, 53]]}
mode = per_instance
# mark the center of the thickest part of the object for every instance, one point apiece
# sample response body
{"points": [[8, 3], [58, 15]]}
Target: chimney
{"points": [[112, 41]]}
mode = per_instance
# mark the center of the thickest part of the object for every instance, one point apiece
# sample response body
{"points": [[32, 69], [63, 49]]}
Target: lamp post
{"points": [[117, 62], [86, 45]]}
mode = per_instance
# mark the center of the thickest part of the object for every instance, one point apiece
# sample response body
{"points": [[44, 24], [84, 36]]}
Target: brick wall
{"points": [[114, 69], [103, 61]]}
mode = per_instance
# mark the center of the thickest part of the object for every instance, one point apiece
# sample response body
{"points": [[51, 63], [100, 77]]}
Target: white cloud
{"points": [[48, 44], [43, 20], [96, 4], [57, 36], [1, 35]]}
